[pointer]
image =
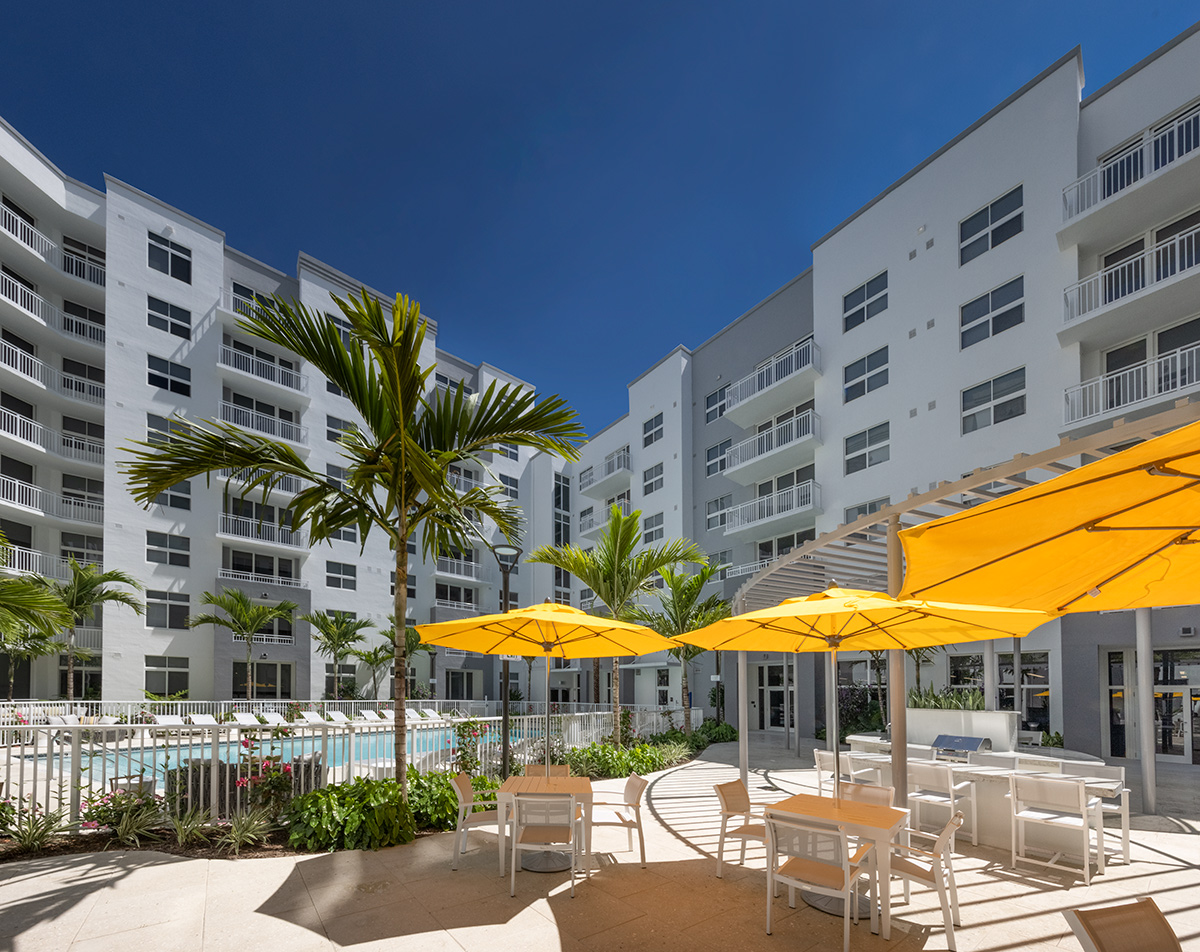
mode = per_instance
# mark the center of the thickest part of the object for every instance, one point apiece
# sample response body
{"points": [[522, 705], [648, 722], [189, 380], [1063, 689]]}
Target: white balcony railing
{"points": [[802, 497], [69, 385], [263, 369], [28, 496], [89, 639], [1159, 148], [261, 530], [236, 303], [232, 575], [249, 419], [284, 484], [1141, 383], [21, 561], [1133, 276], [63, 444], [460, 567], [38, 243], [613, 464], [600, 515], [457, 606], [800, 356], [463, 483], [798, 428], [270, 638], [750, 568], [47, 313]]}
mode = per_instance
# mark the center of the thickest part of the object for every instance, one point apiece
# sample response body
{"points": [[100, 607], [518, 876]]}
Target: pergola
{"points": [[867, 554]]}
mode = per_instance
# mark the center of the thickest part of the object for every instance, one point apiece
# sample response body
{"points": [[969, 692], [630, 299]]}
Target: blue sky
{"points": [[572, 188]]}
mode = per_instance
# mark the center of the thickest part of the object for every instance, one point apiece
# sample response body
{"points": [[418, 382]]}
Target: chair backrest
{"points": [[635, 786], [246, 719], [337, 717], [463, 790], [733, 796], [1029, 738], [930, 777], [824, 760], [920, 752], [868, 793], [369, 715], [429, 712], [312, 717], [942, 843], [1065, 795], [274, 717], [1104, 771], [173, 720], [205, 720], [825, 846], [1129, 927], [556, 770], [545, 809]]}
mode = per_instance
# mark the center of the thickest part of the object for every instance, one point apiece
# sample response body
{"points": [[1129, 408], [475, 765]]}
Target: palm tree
{"points": [[878, 660], [244, 617], [336, 635], [683, 610], [921, 656], [88, 589], [619, 572], [397, 460], [22, 642], [378, 659]]}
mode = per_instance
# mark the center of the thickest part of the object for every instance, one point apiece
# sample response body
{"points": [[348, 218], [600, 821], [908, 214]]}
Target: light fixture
{"points": [[265, 595], [506, 554], [263, 656]]}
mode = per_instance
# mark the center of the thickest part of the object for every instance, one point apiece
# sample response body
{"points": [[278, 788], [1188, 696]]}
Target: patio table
{"points": [[580, 787], [867, 821]]}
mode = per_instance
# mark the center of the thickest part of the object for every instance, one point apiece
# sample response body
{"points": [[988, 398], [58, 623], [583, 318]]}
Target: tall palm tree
{"points": [[89, 588], [619, 572], [336, 635], [878, 660], [921, 656], [378, 658], [397, 459], [244, 617], [682, 610], [22, 642]]}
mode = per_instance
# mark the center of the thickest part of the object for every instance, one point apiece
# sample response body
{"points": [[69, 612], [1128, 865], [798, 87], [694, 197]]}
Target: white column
{"points": [[1145, 711], [990, 698], [743, 719], [897, 686], [796, 702], [831, 741]]}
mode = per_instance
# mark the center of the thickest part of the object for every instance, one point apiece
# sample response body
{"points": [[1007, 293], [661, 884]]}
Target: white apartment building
{"points": [[118, 311], [1035, 279]]}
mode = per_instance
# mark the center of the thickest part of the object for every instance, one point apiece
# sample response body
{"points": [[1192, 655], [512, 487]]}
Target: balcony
{"points": [[31, 562], [89, 639], [65, 445], [1156, 287], [598, 518], [249, 419], [69, 385], [750, 568], [261, 369], [68, 262], [445, 609], [803, 498], [261, 531], [1135, 189], [463, 483], [236, 303], [35, 499], [46, 313], [790, 444], [762, 394], [459, 568], [250, 578], [604, 479], [1116, 394], [284, 484]]}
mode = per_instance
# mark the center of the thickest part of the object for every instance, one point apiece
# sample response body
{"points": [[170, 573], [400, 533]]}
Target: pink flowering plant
{"points": [[105, 812], [467, 736], [264, 776]]}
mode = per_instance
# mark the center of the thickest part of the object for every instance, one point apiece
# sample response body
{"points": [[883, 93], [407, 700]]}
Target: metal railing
{"points": [[750, 568], [233, 575], [801, 356], [261, 531], [799, 498], [457, 606], [459, 567], [83, 268], [463, 483], [613, 464], [285, 484], [40, 244], [800, 427], [63, 444], [236, 303], [69, 385], [1132, 276], [1159, 148], [15, 292], [22, 561], [262, 423], [262, 369], [89, 639], [1151, 380], [40, 500], [600, 515]]}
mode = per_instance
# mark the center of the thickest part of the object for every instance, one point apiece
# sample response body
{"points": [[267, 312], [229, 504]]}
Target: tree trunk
{"points": [[616, 701], [400, 610], [12, 677], [596, 681], [249, 676], [337, 677], [720, 692], [71, 663], [687, 707]]}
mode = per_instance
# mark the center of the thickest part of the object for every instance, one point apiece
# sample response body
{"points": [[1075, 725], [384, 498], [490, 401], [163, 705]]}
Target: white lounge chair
{"points": [[336, 717], [371, 717], [246, 719], [313, 718], [204, 720], [433, 715], [274, 719]]}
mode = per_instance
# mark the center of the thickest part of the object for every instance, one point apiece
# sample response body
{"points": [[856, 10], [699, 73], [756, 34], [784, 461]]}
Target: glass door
{"points": [[773, 708]]}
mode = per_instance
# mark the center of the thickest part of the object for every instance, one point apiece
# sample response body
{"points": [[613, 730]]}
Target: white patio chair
{"points": [[1059, 803], [819, 860], [933, 785], [274, 719], [371, 717], [1130, 927], [1117, 804], [336, 717], [735, 803], [313, 718], [542, 822], [431, 714], [852, 769], [469, 818], [1029, 738], [626, 813], [869, 793], [246, 719], [933, 867], [203, 720], [539, 770]]}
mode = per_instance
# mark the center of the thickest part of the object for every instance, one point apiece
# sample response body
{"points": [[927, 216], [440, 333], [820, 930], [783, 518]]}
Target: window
{"points": [[337, 475], [663, 685], [168, 317], [331, 387], [652, 430], [169, 376], [562, 528], [83, 379], [178, 496], [868, 448], [714, 458], [864, 302], [168, 549], [82, 260], [335, 429], [454, 596], [966, 671], [444, 382], [864, 375], [994, 401], [166, 676], [992, 225], [652, 528], [81, 489], [992, 313], [82, 548], [562, 492], [724, 558], [507, 450], [866, 509], [345, 328], [269, 680], [169, 258], [715, 511], [19, 212], [87, 676], [84, 428], [255, 563], [562, 586], [341, 575], [714, 404], [511, 486], [652, 479], [166, 610], [158, 429], [82, 321], [347, 686]]}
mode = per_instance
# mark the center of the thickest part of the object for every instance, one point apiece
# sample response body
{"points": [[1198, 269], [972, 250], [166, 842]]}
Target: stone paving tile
{"points": [[184, 934], [504, 924], [296, 930], [397, 925]]}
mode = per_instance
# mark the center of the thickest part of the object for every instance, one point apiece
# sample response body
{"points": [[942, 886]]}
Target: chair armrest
{"points": [[612, 803], [901, 848]]}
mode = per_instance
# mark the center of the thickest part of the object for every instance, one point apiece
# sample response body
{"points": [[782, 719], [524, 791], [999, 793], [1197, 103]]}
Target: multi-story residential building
{"points": [[117, 312]]}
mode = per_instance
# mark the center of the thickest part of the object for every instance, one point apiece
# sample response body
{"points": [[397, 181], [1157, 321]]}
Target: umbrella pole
{"points": [[547, 715], [837, 751]]}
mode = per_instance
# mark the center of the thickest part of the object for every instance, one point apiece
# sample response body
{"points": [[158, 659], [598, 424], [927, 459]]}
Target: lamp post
{"points": [[506, 558]]}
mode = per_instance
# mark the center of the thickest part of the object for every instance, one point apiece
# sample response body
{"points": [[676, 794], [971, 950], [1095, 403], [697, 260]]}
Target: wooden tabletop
{"points": [[539, 783], [848, 812]]}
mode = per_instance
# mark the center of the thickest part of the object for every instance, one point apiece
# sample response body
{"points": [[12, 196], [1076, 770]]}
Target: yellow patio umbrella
{"points": [[1118, 533], [858, 620], [546, 631]]}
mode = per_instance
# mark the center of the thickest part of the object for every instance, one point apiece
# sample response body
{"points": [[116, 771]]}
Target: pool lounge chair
{"points": [[204, 720], [313, 719], [431, 714], [245, 719], [275, 719], [336, 717], [371, 717]]}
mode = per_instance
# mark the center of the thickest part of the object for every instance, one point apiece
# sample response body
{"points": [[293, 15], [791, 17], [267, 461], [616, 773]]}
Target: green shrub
{"points": [[1052, 740], [8, 816], [191, 827], [33, 829], [247, 828], [604, 760], [365, 814], [109, 809], [675, 752], [433, 802], [722, 733], [138, 823]]}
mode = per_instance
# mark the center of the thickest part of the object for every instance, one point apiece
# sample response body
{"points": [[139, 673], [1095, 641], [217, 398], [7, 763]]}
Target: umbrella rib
{"points": [[1179, 539]]}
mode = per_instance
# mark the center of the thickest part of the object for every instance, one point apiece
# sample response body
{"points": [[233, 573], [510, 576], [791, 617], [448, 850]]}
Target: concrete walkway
{"points": [[407, 898]]}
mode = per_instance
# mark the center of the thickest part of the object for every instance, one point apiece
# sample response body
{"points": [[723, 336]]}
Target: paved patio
{"points": [[407, 898]]}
